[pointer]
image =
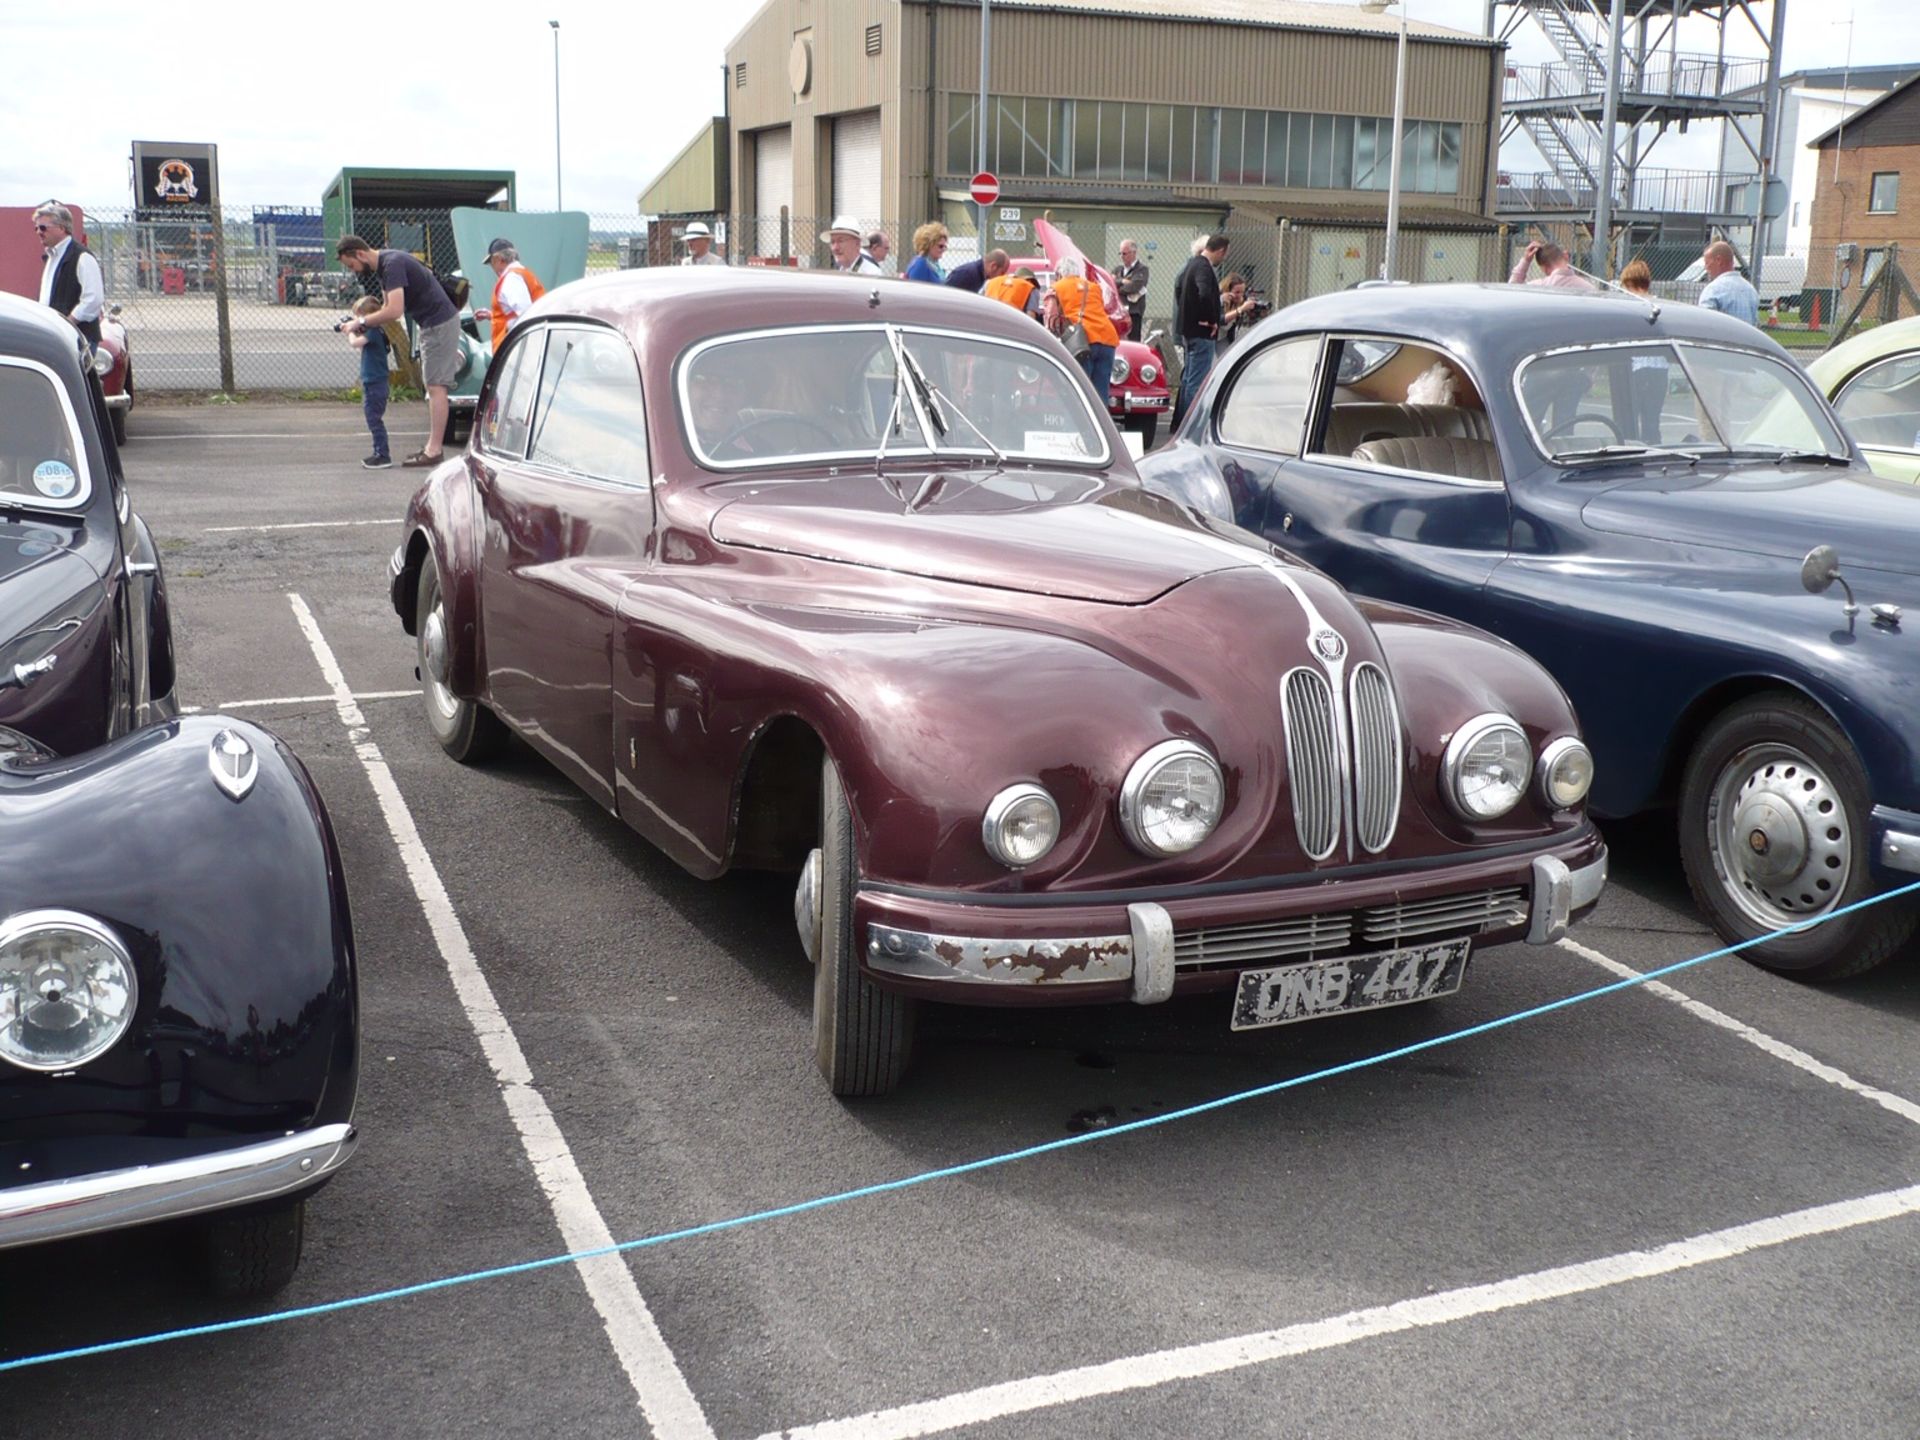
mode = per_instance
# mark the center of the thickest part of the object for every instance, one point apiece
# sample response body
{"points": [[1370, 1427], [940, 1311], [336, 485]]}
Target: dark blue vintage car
{"points": [[178, 1004], [1642, 497]]}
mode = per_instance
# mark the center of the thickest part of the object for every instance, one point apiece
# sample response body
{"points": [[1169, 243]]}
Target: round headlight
{"points": [[67, 989], [102, 360], [1486, 767], [1566, 773], [1172, 798], [1121, 369], [1149, 373], [1021, 825]]}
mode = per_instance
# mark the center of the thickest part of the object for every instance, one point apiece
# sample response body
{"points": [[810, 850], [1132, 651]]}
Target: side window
{"points": [[588, 417], [1881, 405], [503, 428], [1267, 407]]}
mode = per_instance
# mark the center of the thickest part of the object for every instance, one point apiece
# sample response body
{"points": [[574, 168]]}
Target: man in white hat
{"points": [[843, 238], [699, 245]]}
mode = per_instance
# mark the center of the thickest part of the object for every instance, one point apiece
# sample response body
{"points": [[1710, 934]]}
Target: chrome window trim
{"points": [[1677, 345], [1149, 761], [83, 466], [684, 366], [587, 477], [1462, 482], [532, 334]]}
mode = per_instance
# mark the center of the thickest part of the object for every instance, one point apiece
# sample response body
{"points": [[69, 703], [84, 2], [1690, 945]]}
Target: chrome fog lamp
{"points": [[1566, 773], [102, 360], [1121, 369], [1485, 769], [1021, 825], [67, 989], [1149, 373], [1172, 798]]}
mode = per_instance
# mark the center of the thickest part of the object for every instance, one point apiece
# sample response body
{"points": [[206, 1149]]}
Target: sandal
{"points": [[420, 460]]}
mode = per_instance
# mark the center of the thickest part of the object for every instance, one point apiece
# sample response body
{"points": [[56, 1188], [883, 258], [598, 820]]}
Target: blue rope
{"points": [[946, 1172]]}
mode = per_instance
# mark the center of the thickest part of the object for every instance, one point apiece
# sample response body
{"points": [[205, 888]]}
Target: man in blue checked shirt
{"points": [[1727, 290]]}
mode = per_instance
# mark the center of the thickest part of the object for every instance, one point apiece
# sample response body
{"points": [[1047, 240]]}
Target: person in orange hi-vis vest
{"points": [[1020, 289], [514, 291]]}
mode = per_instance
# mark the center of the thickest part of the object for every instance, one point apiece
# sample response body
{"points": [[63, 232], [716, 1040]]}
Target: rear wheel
{"points": [[251, 1254], [466, 729], [1774, 831], [863, 1035]]}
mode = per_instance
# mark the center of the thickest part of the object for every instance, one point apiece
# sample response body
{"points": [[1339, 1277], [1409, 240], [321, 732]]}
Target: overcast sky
{"points": [[292, 94]]}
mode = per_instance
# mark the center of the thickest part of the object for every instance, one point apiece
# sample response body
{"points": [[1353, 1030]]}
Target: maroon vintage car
{"points": [[797, 571], [113, 363]]}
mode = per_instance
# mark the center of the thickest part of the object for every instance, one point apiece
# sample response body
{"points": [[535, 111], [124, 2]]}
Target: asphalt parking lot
{"points": [[1684, 1211]]}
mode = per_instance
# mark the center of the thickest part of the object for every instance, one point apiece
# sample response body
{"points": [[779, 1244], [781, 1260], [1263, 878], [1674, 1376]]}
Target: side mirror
{"points": [[1820, 569]]}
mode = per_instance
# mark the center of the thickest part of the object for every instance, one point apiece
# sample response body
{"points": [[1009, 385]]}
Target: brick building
{"points": [[1867, 197]]}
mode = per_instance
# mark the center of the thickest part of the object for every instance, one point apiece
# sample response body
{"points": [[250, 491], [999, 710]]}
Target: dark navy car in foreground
{"points": [[178, 1005], [1652, 501]]}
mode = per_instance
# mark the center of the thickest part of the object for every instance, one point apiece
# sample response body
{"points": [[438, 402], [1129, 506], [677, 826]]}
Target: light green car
{"points": [[1873, 381]]}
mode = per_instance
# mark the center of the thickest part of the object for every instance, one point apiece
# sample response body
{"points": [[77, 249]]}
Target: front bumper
{"points": [[1157, 947], [1896, 842], [122, 401], [1148, 403], [117, 1199]]}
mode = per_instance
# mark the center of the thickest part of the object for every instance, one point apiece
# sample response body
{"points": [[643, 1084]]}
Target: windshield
{"points": [[831, 394], [1694, 399], [41, 461]]}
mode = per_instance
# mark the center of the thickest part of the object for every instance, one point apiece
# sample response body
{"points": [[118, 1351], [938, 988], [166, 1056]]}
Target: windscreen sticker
{"points": [[55, 479], [1063, 443]]}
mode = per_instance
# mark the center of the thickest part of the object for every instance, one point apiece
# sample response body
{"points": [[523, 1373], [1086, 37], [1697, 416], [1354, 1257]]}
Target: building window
{"points": [[1884, 197], [1796, 215], [1870, 267], [740, 76], [873, 39], [1113, 140]]}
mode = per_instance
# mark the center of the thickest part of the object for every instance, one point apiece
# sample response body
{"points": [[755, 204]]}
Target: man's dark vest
{"points": [[65, 293]]}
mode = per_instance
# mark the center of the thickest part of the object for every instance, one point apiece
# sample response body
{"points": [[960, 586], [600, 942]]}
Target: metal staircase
{"points": [[1600, 107]]}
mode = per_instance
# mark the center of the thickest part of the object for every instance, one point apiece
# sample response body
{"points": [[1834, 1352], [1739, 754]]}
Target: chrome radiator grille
{"points": [[1376, 758], [1237, 947], [1313, 760]]}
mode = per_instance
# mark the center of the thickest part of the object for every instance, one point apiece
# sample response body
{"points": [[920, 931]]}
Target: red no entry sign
{"points": [[985, 188]]}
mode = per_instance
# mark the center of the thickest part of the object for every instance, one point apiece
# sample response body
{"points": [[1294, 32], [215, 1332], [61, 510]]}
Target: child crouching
{"points": [[373, 348]]}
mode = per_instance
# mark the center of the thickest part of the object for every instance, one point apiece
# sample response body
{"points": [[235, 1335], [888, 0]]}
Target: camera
{"points": [[1261, 304], [342, 323]]}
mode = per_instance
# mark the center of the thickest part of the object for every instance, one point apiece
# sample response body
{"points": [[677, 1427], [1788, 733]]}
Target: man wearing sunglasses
{"points": [[70, 281]]}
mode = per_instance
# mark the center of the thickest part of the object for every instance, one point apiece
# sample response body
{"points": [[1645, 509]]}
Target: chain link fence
{"points": [[283, 288]]}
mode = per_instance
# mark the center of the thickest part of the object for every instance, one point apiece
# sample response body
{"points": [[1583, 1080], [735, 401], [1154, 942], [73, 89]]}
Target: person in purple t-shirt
{"points": [[415, 291]]}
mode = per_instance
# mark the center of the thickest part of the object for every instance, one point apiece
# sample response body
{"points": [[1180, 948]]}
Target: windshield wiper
{"points": [[1630, 452], [1781, 454], [937, 403]]}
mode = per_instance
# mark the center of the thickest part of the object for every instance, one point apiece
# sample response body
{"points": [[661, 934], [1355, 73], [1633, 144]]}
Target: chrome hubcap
{"points": [[433, 661], [807, 912], [1780, 836]]}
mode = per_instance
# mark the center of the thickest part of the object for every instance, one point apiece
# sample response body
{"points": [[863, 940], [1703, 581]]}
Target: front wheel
{"points": [[1774, 831], [251, 1254], [862, 1035], [466, 729]]}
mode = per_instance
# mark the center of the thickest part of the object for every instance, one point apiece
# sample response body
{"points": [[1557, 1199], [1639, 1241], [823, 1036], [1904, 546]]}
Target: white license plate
{"points": [[1147, 402], [1284, 994]]}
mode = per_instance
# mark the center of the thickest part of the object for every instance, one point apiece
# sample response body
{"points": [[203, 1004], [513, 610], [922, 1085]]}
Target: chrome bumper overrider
{"points": [[115, 1199], [122, 401], [1145, 955]]}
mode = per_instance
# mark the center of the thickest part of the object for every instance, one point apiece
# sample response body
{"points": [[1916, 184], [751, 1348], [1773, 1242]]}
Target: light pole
{"points": [[1391, 263], [986, 32], [559, 202]]}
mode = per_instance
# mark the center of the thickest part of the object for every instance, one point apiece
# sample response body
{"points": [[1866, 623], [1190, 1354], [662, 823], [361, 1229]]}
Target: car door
{"points": [[1880, 406], [1403, 501], [562, 478]]}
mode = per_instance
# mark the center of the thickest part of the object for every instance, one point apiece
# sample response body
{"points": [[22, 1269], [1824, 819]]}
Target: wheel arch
{"points": [[1716, 700], [776, 796]]}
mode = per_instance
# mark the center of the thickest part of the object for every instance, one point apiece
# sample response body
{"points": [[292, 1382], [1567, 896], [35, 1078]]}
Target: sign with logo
{"points": [[171, 178], [1009, 230], [985, 188]]}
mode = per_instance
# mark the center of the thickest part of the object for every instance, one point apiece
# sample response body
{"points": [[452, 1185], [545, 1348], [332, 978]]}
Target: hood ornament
{"points": [[1328, 645], [234, 764]]}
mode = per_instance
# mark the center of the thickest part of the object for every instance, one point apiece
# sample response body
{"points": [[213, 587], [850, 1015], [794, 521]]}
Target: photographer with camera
{"points": [[1238, 309]]}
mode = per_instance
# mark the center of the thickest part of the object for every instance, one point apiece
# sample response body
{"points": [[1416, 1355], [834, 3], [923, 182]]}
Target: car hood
{"points": [[1060, 533], [1763, 509]]}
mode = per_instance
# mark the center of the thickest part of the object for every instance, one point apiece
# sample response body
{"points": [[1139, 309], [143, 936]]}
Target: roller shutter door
{"points": [[772, 186], [856, 168]]}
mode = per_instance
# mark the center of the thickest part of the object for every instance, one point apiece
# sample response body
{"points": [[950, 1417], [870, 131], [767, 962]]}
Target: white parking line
{"points": [[1779, 1049], [665, 1398], [296, 700], [296, 525], [1140, 1372]]}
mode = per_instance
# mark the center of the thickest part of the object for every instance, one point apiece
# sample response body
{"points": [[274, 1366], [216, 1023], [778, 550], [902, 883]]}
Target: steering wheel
{"points": [[1588, 417], [799, 422]]}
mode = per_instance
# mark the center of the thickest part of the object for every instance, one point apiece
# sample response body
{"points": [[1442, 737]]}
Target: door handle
{"points": [[1286, 522]]}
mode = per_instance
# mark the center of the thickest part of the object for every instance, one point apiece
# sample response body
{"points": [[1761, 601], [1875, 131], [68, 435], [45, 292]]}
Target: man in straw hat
{"points": [[699, 245], [843, 238]]}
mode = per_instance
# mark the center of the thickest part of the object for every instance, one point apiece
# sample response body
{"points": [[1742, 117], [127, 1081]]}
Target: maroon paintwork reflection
{"points": [[942, 631]]}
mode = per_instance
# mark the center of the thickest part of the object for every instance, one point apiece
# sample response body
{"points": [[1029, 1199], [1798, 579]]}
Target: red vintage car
{"points": [[1139, 394], [793, 571], [113, 363]]}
